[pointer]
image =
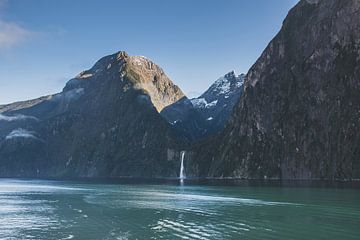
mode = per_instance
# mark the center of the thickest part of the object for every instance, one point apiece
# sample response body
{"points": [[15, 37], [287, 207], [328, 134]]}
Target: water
{"points": [[67, 210]]}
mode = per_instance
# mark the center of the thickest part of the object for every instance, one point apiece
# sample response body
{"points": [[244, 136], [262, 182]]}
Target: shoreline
{"points": [[240, 182]]}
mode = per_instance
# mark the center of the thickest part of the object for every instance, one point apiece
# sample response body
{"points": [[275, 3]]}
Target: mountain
{"points": [[295, 115], [207, 114], [105, 122], [299, 114], [216, 104]]}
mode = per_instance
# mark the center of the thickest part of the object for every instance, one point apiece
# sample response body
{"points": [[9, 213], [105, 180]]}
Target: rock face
{"points": [[299, 114], [205, 115], [105, 122]]}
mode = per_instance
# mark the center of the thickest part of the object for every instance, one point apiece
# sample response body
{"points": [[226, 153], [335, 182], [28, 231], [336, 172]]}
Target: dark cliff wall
{"points": [[299, 114]]}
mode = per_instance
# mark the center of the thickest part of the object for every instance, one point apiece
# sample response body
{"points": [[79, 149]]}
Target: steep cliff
{"points": [[105, 122], [299, 113]]}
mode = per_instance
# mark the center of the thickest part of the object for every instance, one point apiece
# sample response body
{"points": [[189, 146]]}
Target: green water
{"points": [[67, 210]]}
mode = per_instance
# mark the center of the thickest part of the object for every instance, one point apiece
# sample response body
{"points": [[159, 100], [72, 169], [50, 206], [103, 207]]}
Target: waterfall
{"points": [[182, 172]]}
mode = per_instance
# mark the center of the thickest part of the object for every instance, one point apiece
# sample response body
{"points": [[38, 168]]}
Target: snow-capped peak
{"points": [[222, 88], [222, 85], [226, 84]]}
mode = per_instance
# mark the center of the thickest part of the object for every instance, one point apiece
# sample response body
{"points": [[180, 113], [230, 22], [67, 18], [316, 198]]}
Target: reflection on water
{"points": [[23, 214], [65, 210]]}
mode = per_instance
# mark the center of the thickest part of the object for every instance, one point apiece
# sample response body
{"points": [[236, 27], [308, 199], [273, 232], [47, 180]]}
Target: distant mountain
{"points": [[105, 122], [216, 104], [299, 114], [207, 114]]}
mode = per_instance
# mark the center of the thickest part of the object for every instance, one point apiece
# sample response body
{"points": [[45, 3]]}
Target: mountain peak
{"points": [[225, 85], [121, 55], [137, 72], [230, 75], [151, 78]]}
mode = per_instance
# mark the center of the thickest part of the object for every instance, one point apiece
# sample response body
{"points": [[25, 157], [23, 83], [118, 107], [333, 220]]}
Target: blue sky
{"points": [[44, 43]]}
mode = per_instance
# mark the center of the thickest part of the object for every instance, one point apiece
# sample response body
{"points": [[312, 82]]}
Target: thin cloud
{"points": [[12, 34], [17, 117], [20, 133]]}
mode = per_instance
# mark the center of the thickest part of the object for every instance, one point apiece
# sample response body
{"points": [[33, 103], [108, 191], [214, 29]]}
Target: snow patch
{"points": [[202, 103], [227, 84], [86, 75], [210, 118], [175, 122], [198, 102], [212, 104], [222, 85], [240, 82]]}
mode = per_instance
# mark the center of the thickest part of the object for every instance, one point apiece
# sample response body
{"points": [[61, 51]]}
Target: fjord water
{"points": [[40, 209]]}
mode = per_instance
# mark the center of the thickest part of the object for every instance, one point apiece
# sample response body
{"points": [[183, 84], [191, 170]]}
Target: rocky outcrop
{"points": [[299, 114], [105, 122]]}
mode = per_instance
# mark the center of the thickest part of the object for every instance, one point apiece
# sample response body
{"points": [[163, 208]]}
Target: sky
{"points": [[44, 43]]}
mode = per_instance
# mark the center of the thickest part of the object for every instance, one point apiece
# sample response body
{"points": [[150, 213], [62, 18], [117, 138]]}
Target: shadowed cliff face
{"points": [[299, 114], [104, 123], [207, 114]]}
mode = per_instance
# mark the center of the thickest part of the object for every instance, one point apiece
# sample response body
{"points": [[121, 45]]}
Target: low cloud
{"points": [[20, 133], [17, 117], [12, 34], [193, 94]]}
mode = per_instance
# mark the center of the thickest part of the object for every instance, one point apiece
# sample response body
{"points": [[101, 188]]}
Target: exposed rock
{"points": [[151, 78], [299, 114]]}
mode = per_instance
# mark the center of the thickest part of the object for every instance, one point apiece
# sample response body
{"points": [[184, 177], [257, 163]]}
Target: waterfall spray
{"points": [[182, 171]]}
